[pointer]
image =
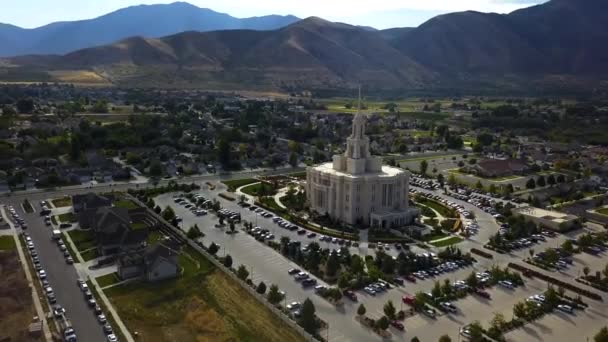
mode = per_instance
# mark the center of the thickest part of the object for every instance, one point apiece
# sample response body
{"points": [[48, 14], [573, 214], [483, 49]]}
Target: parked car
{"points": [[397, 325]]}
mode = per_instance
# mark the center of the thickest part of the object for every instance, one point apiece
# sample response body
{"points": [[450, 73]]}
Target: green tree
{"points": [[293, 159], [242, 272], [308, 319], [383, 323], [436, 291], [344, 280], [333, 264], [567, 247], [561, 179], [602, 335], [424, 165], [476, 332], [541, 181], [531, 184], [75, 147], [156, 168], [498, 322], [356, 264], [100, 106], [586, 271], [452, 179], [472, 281], [519, 310], [213, 248], [445, 338], [25, 106], [479, 185], [361, 310], [389, 310], [261, 289], [228, 261], [168, 214], [194, 232], [274, 295], [441, 179], [223, 152], [415, 339], [232, 227], [551, 180]]}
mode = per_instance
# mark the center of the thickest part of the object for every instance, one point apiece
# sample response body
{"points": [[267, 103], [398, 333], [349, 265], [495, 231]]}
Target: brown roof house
{"points": [[500, 167], [152, 263]]}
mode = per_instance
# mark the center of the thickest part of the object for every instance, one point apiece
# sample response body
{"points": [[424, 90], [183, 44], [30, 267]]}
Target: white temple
{"points": [[357, 189]]}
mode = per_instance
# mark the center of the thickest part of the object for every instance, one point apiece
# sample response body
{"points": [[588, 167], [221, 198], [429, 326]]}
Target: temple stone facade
{"points": [[357, 189]]}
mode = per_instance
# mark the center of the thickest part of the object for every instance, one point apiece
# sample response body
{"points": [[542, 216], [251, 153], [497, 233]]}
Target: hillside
{"points": [[530, 41], [466, 52], [145, 20], [311, 53]]}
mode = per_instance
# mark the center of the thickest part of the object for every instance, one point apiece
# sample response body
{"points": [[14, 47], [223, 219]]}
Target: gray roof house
{"points": [[153, 263]]}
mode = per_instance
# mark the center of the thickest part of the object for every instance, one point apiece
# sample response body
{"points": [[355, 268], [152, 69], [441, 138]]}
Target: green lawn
{"points": [[83, 239], [440, 208], [27, 206], [255, 189], [237, 183], [405, 160], [62, 202], [447, 242], [492, 179], [603, 211], [138, 225], [90, 254], [67, 217], [432, 237], [154, 236], [203, 304], [125, 204], [107, 279], [7, 243]]}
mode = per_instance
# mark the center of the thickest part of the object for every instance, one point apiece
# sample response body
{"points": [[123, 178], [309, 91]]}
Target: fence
{"points": [[219, 265]]}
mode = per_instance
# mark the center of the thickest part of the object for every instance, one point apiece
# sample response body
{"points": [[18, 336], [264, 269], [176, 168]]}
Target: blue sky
{"points": [[376, 13]]}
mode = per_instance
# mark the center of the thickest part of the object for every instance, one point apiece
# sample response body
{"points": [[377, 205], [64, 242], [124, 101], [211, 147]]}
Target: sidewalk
{"points": [[26, 269]]}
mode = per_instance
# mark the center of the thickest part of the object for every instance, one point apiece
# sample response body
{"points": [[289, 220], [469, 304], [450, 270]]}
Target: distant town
{"points": [[133, 214]]}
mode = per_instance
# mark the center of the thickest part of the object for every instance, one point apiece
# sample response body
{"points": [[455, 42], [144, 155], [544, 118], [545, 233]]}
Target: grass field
{"points": [[62, 202], [203, 304], [125, 204], [7, 243], [67, 217], [107, 279], [440, 156], [603, 211], [440, 208], [83, 239], [491, 179], [27, 206], [237, 183], [89, 254], [447, 242], [254, 189]]}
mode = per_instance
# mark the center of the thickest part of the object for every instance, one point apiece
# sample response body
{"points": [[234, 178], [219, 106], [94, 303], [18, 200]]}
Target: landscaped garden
{"points": [[62, 202], [237, 183]]}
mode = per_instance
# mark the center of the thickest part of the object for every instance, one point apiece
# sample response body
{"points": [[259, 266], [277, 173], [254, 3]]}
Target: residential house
{"points": [[115, 231], [83, 202], [152, 263], [500, 167]]}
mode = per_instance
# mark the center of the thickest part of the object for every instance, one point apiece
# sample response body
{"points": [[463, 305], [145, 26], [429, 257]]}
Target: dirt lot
{"points": [[15, 299]]}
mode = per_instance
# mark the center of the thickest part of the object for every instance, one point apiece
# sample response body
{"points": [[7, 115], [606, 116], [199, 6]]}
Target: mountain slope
{"points": [[311, 52], [560, 36], [144, 20]]}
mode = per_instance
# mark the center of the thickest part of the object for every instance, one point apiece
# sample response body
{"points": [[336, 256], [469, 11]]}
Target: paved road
{"points": [[62, 278]]}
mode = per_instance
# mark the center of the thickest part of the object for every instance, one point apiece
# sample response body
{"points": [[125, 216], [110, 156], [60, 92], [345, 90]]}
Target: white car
{"points": [[506, 284], [42, 274], [565, 308], [102, 318], [112, 338]]}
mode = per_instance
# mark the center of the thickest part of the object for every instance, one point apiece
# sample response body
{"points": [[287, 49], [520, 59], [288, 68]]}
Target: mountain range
{"points": [[559, 44], [144, 20]]}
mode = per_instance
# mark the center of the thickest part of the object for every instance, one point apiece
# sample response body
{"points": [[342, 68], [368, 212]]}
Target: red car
{"points": [[408, 300], [351, 295], [397, 325], [411, 278]]}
